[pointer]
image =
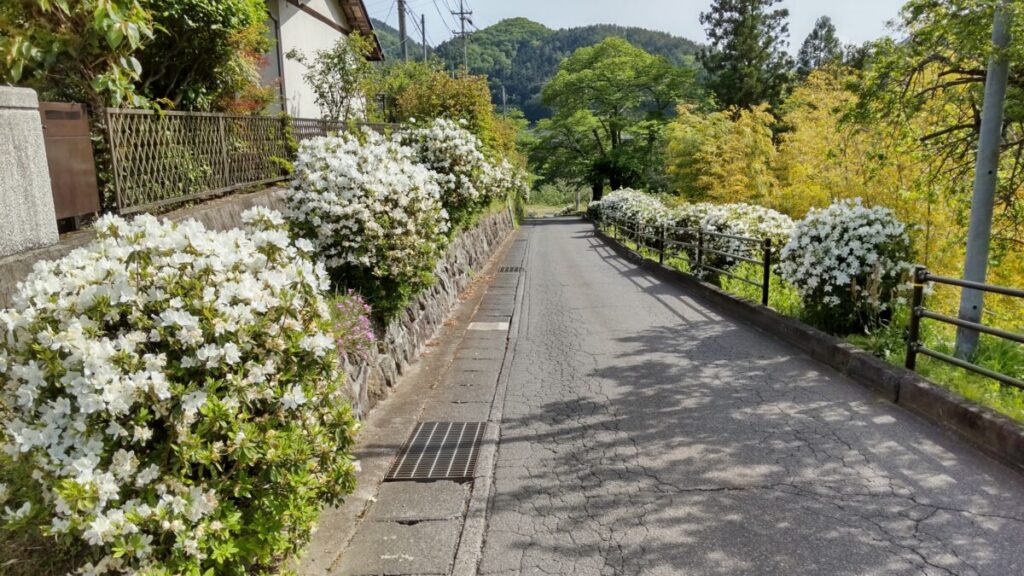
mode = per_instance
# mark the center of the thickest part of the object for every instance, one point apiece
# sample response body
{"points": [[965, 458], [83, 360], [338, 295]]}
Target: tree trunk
{"points": [[597, 188]]}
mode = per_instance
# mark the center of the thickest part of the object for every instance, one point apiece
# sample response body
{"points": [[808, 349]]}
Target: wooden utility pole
{"points": [[403, 37], [464, 18], [986, 177], [423, 29]]}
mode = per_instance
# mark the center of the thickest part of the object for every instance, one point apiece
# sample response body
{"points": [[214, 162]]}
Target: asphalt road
{"points": [[644, 433]]}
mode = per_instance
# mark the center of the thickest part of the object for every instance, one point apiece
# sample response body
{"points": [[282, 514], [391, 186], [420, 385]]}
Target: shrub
{"points": [[463, 173], [746, 220], [352, 325], [373, 213], [632, 206], [847, 262], [508, 181], [175, 392]]}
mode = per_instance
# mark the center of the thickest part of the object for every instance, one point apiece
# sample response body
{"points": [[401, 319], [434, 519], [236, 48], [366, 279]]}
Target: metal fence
{"points": [[306, 128], [706, 251], [919, 312], [161, 158]]}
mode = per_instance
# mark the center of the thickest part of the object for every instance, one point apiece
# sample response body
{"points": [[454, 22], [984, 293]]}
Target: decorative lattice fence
{"points": [[168, 157], [162, 158]]}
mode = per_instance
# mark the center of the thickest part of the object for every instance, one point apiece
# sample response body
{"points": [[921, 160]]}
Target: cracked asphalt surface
{"points": [[645, 433]]}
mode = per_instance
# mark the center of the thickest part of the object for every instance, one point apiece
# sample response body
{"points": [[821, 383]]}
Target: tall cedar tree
{"points": [[820, 48], [746, 60]]}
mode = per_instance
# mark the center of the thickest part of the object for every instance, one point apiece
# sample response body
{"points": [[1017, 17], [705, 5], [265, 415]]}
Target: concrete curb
{"points": [[470, 548], [990, 431]]}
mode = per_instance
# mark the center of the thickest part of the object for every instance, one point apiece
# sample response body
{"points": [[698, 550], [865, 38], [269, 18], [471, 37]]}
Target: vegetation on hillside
{"points": [[522, 56]]}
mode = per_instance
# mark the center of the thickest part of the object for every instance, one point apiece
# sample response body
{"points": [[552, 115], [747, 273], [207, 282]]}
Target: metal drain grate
{"points": [[510, 269], [439, 451]]}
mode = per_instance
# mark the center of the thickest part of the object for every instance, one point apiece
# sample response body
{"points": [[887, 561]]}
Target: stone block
{"points": [[419, 501], [27, 216], [394, 548]]}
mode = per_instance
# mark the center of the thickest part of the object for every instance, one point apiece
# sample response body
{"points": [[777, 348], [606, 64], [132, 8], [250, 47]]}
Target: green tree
{"points": [[610, 102], [746, 60], [83, 51], [933, 82], [337, 77], [424, 91], [725, 156], [203, 52], [820, 48], [522, 56]]}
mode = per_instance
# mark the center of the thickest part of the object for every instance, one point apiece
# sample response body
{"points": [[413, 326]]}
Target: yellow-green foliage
{"points": [[424, 92], [724, 156]]}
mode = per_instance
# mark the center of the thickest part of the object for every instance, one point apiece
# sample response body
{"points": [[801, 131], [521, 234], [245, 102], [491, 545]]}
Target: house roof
{"points": [[356, 14]]}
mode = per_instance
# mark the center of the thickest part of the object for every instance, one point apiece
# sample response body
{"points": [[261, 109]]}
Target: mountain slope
{"points": [[522, 55], [390, 38]]}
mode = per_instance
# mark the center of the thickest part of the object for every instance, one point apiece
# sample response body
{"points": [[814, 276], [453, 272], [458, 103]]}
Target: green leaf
{"points": [[114, 36], [133, 35]]}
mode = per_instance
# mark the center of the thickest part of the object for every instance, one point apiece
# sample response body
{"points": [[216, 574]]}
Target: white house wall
{"points": [[303, 32]]}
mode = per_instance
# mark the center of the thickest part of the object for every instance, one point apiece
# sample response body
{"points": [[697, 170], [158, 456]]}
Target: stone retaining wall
{"points": [[372, 379]]}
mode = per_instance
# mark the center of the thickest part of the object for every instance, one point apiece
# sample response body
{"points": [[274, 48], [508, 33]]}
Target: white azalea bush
{"points": [[847, 261], [631, 206], [464, 175], [508, 181], [747, 221], [373, 213], [174, 392]]}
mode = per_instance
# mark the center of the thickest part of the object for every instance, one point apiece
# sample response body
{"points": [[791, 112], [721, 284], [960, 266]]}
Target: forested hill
{"points": [[522, 55], [389, 39]]}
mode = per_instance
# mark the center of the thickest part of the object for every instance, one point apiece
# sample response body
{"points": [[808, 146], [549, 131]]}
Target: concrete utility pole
{"points": [[504, 103], [986, 177], [464, 18], [423, 29], [404, 38]]}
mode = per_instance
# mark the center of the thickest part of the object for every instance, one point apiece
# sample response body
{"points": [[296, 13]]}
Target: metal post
{"points": [[661, 255], [423, 31], [221, 120], [700, 251], [639, 236], [113, 144], [985, 180], [766, 279], [403, 37], [916, 307]]}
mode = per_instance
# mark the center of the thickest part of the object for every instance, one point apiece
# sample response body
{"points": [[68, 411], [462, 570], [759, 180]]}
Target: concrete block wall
{"points": [[27, 217]]}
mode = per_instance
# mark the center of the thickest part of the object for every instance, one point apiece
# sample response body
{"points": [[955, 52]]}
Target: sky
{"points": [[856, 20]]}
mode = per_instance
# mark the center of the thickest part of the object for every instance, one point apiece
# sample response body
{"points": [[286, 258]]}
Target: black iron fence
{"points": [[708, 253], [918, 313], [716, 253], [161, 158]]}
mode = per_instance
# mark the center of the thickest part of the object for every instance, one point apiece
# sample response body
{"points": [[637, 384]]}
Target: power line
{"points": [[464, 18], [444, 21]]}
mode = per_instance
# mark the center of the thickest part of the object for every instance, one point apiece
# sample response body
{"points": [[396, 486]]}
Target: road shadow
{"points": [[702, 446]]}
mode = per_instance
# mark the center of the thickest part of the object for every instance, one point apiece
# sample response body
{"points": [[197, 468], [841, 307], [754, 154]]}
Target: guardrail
{"points": [[918, 313], [697, 244]]}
